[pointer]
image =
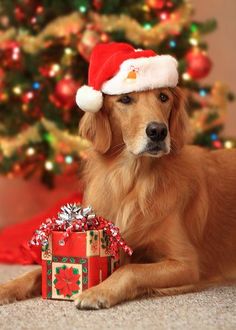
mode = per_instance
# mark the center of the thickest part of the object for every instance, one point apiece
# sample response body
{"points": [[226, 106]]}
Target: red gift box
{"points": [[70, 267], [79, 250]]}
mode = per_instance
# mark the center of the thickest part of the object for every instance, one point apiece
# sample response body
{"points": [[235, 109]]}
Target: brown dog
{"points": [[175, 204]]}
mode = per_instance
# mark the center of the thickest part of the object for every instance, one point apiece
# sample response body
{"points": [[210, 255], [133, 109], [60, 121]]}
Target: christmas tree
{"points": [[45, 48]]}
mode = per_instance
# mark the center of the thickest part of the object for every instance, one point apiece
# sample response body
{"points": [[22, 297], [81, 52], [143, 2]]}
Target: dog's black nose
{"points": [[156, 132]]}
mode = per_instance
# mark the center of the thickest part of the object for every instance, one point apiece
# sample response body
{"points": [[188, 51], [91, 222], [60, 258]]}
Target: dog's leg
{"points": [[25, 286], [133, 280]]}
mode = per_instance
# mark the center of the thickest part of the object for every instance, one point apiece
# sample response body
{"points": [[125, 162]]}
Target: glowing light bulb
{"points": [[214, 136], [217, 144], [186, 76], [17, 90], [68, 51], [202, 92], [48, 165], [56, 67], [228, 144], [193, 41], [30, 151], [29, 95], [172, 43], [36, 85], [163, 16], [69, 159], [82, 9], [147, 26]]}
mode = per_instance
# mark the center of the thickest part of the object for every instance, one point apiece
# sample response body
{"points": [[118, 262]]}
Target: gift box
{"points": [[80, 263], [79, 250]]}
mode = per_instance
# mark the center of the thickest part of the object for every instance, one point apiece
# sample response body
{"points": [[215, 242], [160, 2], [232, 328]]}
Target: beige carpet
{"points": [[212, 309]]}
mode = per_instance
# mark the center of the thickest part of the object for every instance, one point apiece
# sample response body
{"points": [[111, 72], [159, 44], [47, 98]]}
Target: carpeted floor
{"points": [[212, 309]]}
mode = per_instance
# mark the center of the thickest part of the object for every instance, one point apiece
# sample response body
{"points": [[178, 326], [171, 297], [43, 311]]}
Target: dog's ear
{"points": [[178, 121], [96, 128]]}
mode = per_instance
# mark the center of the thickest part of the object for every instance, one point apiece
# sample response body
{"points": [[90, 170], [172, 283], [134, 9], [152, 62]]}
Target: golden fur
{"points": [[176, 209]]}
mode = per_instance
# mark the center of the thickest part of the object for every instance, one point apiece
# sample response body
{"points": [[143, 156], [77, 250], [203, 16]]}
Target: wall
{"points": [[222, 47]]}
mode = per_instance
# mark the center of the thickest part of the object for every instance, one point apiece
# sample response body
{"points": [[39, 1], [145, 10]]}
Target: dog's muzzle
{"points": [[156, 133]]}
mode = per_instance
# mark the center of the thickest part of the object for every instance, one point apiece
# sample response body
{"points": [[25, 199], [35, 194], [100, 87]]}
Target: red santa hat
{"points": [[118, 68]]}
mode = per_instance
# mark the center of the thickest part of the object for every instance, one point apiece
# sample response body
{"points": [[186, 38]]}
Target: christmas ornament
{"points": [[2, 75], [98, 4], [88, 41], [27, 97], [156, 4], [65, 91], [19, 14], [198, 64], [10, 54]]}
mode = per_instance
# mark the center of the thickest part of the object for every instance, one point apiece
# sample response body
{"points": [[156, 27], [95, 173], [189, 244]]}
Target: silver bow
{"points": [[71, 212]]}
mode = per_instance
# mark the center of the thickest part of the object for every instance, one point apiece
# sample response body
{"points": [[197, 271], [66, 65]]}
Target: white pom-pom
{"points": [[89, 99]]}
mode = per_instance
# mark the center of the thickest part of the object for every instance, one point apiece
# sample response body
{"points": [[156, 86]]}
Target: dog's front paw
{"points": [[94, 298]]}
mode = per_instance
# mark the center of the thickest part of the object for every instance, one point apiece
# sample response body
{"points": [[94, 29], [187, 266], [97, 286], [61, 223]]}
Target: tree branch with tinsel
{"points": [[73, 143], [63, 27]]}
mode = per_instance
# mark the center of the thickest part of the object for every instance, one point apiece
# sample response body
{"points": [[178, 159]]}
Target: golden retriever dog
{"points": [[175, 204]]}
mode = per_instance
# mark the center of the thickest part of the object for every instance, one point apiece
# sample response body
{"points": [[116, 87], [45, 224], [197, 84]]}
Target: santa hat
{"points": [[118, 68]]}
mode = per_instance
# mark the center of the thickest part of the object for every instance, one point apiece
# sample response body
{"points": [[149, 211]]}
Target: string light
{"points": [[145, 8], [214, 136], [217, 144], [48, 165], [39, 9], [16, 53], [33, 20], [163, 16], [29, 95], [202, 92], [17, 90], [3, 97], [30, 151], [193, 41], [147, 26], [228, 144], [36, 85], [172, 43], [69, 159], [186, 76], [48, 137], [83, 9], [68, 51], [193, 28], [54, 69], [25, 107], [59, 159]]}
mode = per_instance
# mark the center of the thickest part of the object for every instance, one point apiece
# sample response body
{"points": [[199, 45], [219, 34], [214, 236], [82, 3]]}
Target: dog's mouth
{"points": [[154, 148]]}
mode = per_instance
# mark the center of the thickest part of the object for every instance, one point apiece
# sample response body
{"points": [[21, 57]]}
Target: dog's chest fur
{"points": [[126, 193]]}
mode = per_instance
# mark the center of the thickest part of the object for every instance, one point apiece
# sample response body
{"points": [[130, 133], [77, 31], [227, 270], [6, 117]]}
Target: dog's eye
{"points": [[125, 99], [163, 97]]}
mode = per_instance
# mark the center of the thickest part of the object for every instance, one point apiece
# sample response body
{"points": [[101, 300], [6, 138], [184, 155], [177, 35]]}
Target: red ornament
{"points": [[64, 95], [27, 97], [156, 4], [19, 14], [97, 4], [10, 54], [88, 41], [198, 64], [2, 75]]}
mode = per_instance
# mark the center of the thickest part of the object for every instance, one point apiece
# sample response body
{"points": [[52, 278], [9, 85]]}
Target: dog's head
{"points": [[150, 123]]}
